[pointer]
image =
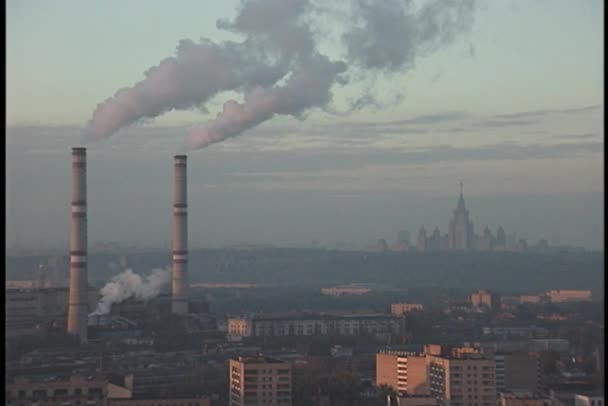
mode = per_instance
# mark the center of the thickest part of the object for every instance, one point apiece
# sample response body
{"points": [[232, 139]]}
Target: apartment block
{"points": [[463, 379], [257, 381], [399, 309], [402, 371], [55, 390], [485, 298], [523, 399], [518, 372], [311, 325], [559, 296]]}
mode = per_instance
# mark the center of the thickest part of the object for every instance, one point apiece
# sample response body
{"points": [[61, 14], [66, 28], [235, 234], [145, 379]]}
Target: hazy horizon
{"points": [[512, 110]]}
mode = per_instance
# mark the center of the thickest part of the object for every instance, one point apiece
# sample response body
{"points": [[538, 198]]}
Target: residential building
{"points": [[90, 390], [560, 296], [588, 400], [463, 378], [518, 372], [185, 401], [399, 309], [485, 298], [523, 399], [259, 381], [310, 325], [403, 399], [402, 371], [342, 290]]}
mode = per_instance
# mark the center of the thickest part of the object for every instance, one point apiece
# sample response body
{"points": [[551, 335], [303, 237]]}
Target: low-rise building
{"points": [[399, 309], [523, 399], [588, 400], [311, 325], [560, 296], [485, 298], [86, 390], [403, 399], [341, 290]]}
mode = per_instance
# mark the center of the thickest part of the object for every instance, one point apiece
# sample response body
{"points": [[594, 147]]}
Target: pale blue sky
{"points": [[528, 55], [329, 178]]}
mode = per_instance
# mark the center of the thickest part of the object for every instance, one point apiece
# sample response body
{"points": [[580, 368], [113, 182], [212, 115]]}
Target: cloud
{"points": [[576, 136], [539, 113], [507, 123]]}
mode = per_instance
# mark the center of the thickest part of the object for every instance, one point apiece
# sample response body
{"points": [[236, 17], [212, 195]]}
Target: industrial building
{"points": [[38, 311]]}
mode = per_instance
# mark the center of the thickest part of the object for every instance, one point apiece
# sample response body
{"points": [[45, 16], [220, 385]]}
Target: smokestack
{"points": [[179, 276], [77, 302]]}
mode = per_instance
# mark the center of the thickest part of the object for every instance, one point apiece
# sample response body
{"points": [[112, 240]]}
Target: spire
{"points": [[461, 199]]}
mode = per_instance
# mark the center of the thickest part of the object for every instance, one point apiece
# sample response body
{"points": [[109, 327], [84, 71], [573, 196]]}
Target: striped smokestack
{"points": [[179, 277], [77, 301]]}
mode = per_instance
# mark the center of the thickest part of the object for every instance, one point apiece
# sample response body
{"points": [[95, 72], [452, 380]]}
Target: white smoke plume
{"points": [[128, 284], [278, 66]]}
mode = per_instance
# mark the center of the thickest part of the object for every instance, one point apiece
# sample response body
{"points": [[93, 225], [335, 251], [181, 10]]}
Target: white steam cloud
{"points": [[128, 284], [278, 66]]}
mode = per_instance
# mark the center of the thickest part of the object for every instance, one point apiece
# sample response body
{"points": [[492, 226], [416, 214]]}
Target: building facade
{"points": [[57, 390], [259, 381], [348, 325], [518, 372], [403, 372]]}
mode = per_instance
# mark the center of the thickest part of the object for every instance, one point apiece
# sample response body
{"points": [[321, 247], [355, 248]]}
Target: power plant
{"points": [[77, 299], [179, 303], [179, 276]]}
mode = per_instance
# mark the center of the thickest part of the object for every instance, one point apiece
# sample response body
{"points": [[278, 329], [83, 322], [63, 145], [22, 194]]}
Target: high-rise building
{"points": [[463, 378], [501, 239], [421, 241], [461, 228], [456, 377], [259, 381], [402, 371], [518, 372]]}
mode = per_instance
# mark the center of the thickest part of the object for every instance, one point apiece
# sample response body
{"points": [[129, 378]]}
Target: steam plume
{"points": [[128, 284], [278, 67]]}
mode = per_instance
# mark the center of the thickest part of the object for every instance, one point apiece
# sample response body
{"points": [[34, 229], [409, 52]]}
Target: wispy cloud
{"points": [[539, 113], [576, 136]]}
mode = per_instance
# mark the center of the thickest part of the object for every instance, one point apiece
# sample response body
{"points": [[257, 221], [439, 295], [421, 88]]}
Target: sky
{"points": [[513, 108]]}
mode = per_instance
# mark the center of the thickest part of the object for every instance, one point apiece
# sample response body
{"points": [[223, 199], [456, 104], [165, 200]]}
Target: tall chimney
{"points": [[179, 277], [77, 301]]}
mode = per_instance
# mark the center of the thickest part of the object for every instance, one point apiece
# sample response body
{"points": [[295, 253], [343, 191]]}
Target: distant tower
{"points": [[435, 240], [501, 238], [461, 228], [487, 240], [421, 242]]}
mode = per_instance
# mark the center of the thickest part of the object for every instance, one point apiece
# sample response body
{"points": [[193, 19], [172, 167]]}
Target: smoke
{"points": [[128, 284], [278, 66]]}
